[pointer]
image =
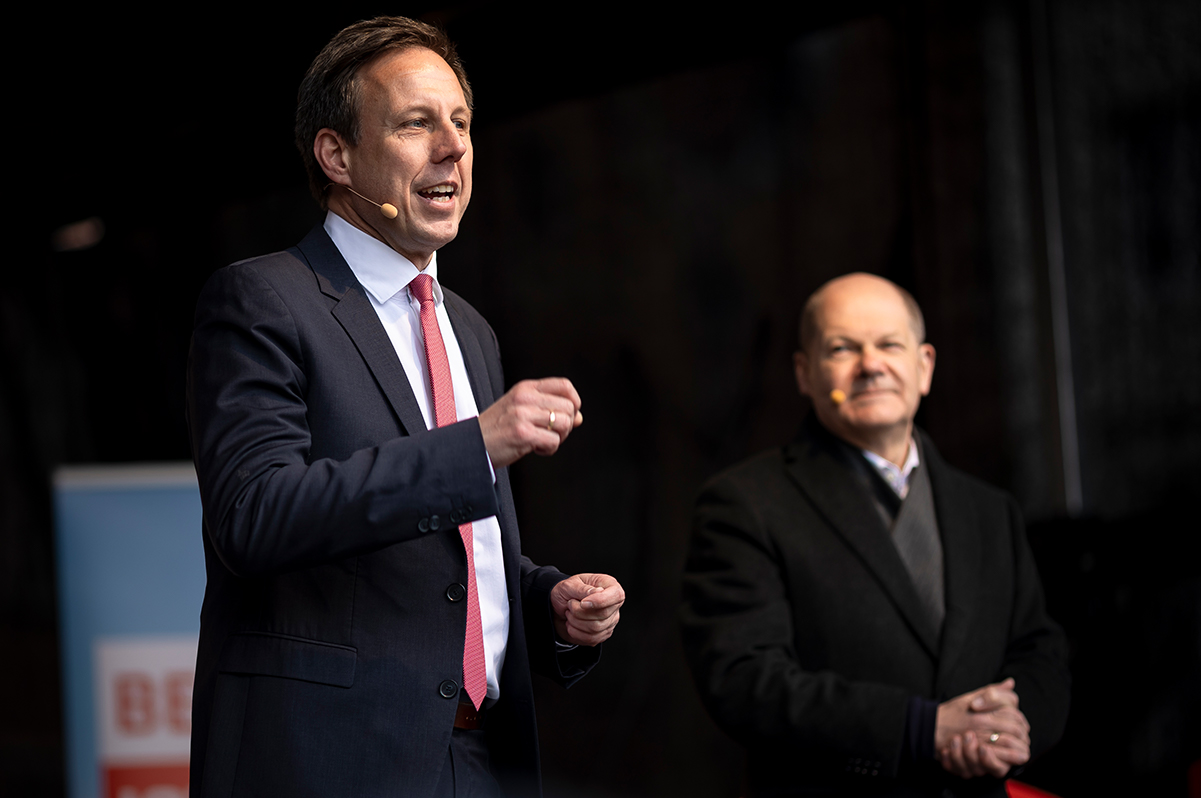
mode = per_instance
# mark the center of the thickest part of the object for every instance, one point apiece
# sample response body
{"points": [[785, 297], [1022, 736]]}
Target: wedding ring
{"points": [[992, 738], [551, 424]]}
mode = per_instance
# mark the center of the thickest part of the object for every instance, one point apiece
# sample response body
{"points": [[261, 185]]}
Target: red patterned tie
{"points": [[475, 679]]}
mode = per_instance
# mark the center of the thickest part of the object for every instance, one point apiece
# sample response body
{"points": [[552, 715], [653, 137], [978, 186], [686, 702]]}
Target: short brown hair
{"points": [[808, 324], [329, 93]]}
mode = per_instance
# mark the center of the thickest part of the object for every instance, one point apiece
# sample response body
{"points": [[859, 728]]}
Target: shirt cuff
{"points": [[488, 457]]}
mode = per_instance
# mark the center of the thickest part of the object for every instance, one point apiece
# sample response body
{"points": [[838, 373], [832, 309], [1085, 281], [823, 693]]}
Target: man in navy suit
{"points": [[861, 616], [370, 624]]}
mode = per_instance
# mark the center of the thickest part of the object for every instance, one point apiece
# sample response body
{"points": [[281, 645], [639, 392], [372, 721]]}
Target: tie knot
{"points": [[422, 287]]}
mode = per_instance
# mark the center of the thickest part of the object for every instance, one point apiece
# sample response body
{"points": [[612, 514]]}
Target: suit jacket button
{"points": [[435, 523], [423, 525], [454, 516], [448, 689], [456, 592]]}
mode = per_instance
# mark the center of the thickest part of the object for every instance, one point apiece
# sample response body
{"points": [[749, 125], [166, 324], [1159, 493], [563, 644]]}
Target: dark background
{"points": [[655, 194]]}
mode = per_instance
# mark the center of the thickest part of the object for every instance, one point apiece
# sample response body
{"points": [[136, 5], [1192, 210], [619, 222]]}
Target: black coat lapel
{"points": [[356, 315], [960, 529], [826, 478]]}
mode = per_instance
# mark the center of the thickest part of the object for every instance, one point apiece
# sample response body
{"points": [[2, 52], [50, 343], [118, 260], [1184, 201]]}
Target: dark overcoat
{"points": [[806, 636]]}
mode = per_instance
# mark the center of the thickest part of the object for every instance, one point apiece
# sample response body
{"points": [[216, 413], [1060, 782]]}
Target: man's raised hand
{"points": [[534, 416]]}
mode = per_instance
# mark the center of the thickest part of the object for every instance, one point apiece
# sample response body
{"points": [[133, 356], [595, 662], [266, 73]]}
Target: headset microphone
{"points": [[387, 209], [838, 396]]}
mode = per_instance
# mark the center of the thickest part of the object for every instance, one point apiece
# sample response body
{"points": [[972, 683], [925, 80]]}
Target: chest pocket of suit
{"points": [[265, 654]]}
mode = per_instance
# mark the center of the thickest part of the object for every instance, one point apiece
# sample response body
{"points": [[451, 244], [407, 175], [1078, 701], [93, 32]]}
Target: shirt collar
{"points": [[381, 270], [897, 478]]}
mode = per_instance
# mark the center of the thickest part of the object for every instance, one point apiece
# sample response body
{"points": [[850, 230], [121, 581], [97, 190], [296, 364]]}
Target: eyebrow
{"points": [[399, 116], [894, 335]]}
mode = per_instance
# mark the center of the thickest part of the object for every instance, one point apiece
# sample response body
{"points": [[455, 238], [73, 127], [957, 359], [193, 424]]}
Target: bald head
{"points": [[864, 362], [854, 285]]}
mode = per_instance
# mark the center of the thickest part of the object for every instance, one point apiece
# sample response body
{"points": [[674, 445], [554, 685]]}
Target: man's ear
{"points": [[800, 365], [926, 375], [333, 155]]}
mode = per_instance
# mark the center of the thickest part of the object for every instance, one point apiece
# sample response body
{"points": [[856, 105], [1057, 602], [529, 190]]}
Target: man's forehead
{"points": [[862, 307], [864, 332], [411, 71], [862, 311], [410, 77]]}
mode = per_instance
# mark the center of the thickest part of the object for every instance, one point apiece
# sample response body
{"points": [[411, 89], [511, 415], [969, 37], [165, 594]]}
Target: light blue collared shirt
{"points": [[897, 478]]}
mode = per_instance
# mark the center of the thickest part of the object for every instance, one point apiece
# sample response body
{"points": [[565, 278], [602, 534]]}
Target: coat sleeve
{"points": [[565, 666], [1036, 655], [739, 640], [269, 506]]}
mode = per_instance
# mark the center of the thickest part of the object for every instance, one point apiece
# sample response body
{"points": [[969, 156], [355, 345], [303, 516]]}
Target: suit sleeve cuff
{"points": [[921, 718]]}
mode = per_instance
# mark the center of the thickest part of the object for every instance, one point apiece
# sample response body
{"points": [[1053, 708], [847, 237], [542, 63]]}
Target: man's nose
{"points": [[869, 361], [450, 144]]}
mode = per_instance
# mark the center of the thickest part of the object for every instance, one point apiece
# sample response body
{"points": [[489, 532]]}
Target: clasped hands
{"points": [[982, 732]]}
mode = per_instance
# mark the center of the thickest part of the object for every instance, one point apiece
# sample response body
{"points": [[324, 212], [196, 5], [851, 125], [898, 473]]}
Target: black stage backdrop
{"points": [[655, 194]]}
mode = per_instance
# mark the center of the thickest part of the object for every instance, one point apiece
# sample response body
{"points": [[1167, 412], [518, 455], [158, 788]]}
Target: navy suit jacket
{"points": [[807, 638], [331, 639]]}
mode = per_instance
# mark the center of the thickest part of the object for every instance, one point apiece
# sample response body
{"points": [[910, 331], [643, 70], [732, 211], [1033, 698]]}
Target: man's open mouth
{"points": [[440, 193]]}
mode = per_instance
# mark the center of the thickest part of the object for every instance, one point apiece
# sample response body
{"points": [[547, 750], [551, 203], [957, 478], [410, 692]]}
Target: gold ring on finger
{"points": [[551, 424]]}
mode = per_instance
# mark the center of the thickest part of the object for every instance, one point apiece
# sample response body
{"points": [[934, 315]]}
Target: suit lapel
{"points": [[823, 474], [356, 315], [354, 312], [473, 354], [477, 373], [960, 530]]}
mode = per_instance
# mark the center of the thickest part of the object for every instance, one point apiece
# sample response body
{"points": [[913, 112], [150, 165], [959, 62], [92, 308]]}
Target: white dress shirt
{"points": [[386, 274], [897, 478]]}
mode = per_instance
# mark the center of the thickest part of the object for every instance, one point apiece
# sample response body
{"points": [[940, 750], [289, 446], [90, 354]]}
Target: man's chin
{"points": [[877, 421], [875, 417], [438, 234], [425, 241]]}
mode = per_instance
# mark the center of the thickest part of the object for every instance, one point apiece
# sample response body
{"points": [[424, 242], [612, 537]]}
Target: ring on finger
{"points": [[992, 738], [550, 425]]}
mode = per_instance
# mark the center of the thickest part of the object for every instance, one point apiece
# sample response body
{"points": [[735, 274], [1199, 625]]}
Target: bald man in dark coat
{"points": [[862, 617]]}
